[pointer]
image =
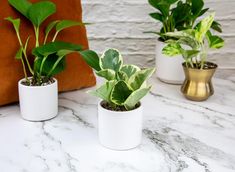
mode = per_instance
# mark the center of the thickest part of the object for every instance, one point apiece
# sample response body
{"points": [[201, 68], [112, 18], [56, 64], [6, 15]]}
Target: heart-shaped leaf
{"points": [[63, 24], [111, 59], [91, 58], [21, 5], [40, 11]]}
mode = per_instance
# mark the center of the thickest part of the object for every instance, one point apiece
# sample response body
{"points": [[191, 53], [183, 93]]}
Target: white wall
{"points": [[120, 24]]}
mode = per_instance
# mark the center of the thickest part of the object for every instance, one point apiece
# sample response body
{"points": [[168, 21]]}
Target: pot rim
{"points": [[216, 66], [119, 112], [35, 87]]}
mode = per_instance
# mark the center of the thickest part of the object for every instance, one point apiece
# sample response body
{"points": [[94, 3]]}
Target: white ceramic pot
{"points": [[120, 130], [169, 69], [38, 103]]}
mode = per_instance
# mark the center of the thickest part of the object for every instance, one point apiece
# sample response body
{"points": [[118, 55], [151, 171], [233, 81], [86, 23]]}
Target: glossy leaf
{"points": [[40, 11], [21, 5], [104, 91], [172, 49], [91, 58], [138, 79], [197, 6], [215, 41], [111, 59], [157, 16], [63, 24], [54, 47], [216, 26], [135, 97], [108, 74], [122, 76], [120, 93]]}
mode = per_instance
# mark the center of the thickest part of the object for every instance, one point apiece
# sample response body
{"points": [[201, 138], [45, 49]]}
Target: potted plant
{"points": [[38, 92], [193, 45], [174, 15], [120, 111]]}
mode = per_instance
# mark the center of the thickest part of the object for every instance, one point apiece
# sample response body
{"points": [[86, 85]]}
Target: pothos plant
{"points": [[125, 84], [176, 15], [49, 55], [193, 44]]}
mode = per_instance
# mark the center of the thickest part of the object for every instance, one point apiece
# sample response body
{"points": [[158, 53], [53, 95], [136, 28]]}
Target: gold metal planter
{"points": [[197, 85]]}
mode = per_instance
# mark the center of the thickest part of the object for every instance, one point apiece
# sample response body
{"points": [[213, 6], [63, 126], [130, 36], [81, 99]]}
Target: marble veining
{"points": [[178, 135]]}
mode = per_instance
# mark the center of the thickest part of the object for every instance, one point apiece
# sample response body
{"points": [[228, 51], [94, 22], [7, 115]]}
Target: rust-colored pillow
{"points": [[77, 74]]}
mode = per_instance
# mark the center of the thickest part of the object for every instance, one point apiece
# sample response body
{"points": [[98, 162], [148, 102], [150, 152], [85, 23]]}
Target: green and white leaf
{"points": [[172, 49], [40, 11], [204, 27], [108, 74], [130, 69], [215, 41], [122, 76], [138, 79], [120, 93], [135, 97], [104, 91], [111, 59]]}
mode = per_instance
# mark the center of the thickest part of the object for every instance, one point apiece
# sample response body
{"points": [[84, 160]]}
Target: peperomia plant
{"points": [[193, 44], [49, 55], [178, 15], [125, 85]]}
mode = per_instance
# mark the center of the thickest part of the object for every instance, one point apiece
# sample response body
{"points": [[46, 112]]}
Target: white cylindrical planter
{"points": [[120, 130], [38, 103], [169, 69]]}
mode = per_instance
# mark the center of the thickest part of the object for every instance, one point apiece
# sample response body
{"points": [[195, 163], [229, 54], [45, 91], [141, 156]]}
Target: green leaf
{"points": [[48, 64], [122, 76], [49, 28], [107, 74], [139, 78], [130, 69], [214, 41], [197, 6], [21, 5], [91, 58], [63, 24], [111, 59], [54, 47], [19, 54], [216, 26], [135, 97], [120, 93], [157, 16], [204, 27], [15, 22], [189, 54], [104, 91], [203, 12], [40, 11], [172, 49], [162, 6]]}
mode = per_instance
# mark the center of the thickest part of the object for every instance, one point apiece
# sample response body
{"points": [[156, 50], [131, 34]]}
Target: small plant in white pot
{"points": [[174, 15], [120, 111], [193, 45], [38, 91]]}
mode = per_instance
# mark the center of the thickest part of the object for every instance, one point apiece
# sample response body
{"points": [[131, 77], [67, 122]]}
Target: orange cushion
{"points": [[77, 74]]}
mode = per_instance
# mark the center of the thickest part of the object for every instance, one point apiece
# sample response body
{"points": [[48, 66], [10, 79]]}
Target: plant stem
{"points": [[42, 64], [36, 29], [54, 38], [24, 69], [55, 65]]}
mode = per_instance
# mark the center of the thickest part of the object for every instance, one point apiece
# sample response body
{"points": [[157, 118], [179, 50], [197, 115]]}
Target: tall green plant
{"points": [[193, 44], [176, 15], [49, 55], [126, 84]]}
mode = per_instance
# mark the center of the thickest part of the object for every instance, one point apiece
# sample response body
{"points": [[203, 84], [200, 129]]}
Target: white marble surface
{"points": [[179, 135]]}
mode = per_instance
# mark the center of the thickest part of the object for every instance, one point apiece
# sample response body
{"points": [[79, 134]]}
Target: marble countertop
{"points": [[179, 135]]}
